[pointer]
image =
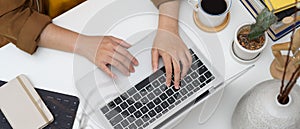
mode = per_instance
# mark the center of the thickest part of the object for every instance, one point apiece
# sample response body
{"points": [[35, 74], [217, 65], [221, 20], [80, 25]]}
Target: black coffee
{"points": [[214, 7]]}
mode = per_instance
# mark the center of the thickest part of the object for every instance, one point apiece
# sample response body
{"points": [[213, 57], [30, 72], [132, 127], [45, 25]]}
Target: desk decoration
{"points": [[278, 64], [250, 39], [269, 106], [259, 108]]}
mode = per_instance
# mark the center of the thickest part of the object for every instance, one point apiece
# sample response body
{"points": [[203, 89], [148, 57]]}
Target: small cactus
{"points": [[263, 21]]}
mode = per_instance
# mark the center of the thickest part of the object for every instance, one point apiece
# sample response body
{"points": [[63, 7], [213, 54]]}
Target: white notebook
{"points": [[22, 106]]}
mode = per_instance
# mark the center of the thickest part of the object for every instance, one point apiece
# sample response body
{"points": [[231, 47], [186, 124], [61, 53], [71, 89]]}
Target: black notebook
{"points": [[63, 108]]}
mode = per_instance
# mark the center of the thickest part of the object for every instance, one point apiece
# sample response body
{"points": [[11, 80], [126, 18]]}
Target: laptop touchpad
{"points": [[142, 51]]}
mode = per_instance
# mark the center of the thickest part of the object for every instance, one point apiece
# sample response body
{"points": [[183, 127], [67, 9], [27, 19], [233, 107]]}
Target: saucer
{"points": [[245, 61], [201, 26]]}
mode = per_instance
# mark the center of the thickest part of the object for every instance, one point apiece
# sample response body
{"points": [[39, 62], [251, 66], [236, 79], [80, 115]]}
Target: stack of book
{"points": [[282, 9]]}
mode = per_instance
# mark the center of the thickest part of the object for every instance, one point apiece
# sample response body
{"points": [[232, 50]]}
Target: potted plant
{"points": [[251, 39], [272, 104]]}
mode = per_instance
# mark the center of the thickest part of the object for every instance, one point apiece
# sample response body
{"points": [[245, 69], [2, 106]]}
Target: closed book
{"points": [[279, 5], [22, 106]]}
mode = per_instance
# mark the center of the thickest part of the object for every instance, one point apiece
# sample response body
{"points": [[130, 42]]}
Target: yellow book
{"points": [[279, 5]]}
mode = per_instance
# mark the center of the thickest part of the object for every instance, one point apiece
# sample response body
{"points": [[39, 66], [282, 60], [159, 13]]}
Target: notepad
{"points": [[22, 106], [279, 5]]}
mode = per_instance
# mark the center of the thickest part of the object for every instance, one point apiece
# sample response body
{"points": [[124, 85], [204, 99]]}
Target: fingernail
{"points": [[136, 62], [133, 70]]}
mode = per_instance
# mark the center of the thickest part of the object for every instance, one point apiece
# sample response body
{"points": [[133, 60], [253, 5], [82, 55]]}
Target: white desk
{"points": [[53, 70]]}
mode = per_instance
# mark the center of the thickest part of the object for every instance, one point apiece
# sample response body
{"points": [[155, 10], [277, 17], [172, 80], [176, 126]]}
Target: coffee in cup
{"points": [[212, 13], [214, 7]]}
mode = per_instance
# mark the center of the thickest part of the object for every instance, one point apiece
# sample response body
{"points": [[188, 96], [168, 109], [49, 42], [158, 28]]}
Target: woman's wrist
{"points": [[168, 23], [168, 16], [86, 46]]}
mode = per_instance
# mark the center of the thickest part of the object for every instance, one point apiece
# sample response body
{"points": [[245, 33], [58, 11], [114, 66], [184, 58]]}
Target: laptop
{"points": [[142, 100]]}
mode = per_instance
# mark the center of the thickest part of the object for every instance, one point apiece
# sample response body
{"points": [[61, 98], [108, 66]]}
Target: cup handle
{"points": [[193, 5]]}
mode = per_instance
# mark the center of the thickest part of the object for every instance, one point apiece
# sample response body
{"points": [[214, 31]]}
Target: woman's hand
{"points": [[176, 56], [107, 50], [101, 50]]}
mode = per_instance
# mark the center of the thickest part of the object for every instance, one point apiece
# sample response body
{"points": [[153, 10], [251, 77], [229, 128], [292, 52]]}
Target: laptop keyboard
{"points": [[63, 108], [147, 101]]}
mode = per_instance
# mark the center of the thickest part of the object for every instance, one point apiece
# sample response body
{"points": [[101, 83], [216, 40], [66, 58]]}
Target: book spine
{"points": [[249, 8]]}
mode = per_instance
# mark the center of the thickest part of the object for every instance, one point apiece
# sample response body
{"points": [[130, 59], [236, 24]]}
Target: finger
{"points": [[176, 68], [189, 57], [124, 61], [168, 67], [155, 57], [121, 42], [119, 66], [185, 65], [131, 68], [125, 53], [105, 69]]}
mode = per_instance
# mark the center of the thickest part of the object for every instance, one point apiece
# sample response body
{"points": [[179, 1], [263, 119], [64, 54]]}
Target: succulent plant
{"points": [[263, 21]]}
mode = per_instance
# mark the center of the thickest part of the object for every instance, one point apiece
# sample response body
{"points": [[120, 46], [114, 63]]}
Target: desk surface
{"points": [[54, 70]]}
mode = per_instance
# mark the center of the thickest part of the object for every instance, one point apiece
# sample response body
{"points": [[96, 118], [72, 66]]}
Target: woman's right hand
{"points": [[107, 50]]}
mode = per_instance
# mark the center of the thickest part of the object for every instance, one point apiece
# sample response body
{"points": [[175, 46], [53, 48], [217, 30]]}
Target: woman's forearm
{"points": [[168, 16], [55, 37]]}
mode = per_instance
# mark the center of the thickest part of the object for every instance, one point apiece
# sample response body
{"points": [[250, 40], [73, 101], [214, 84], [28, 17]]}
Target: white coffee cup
{"points": [[210, 20]]}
